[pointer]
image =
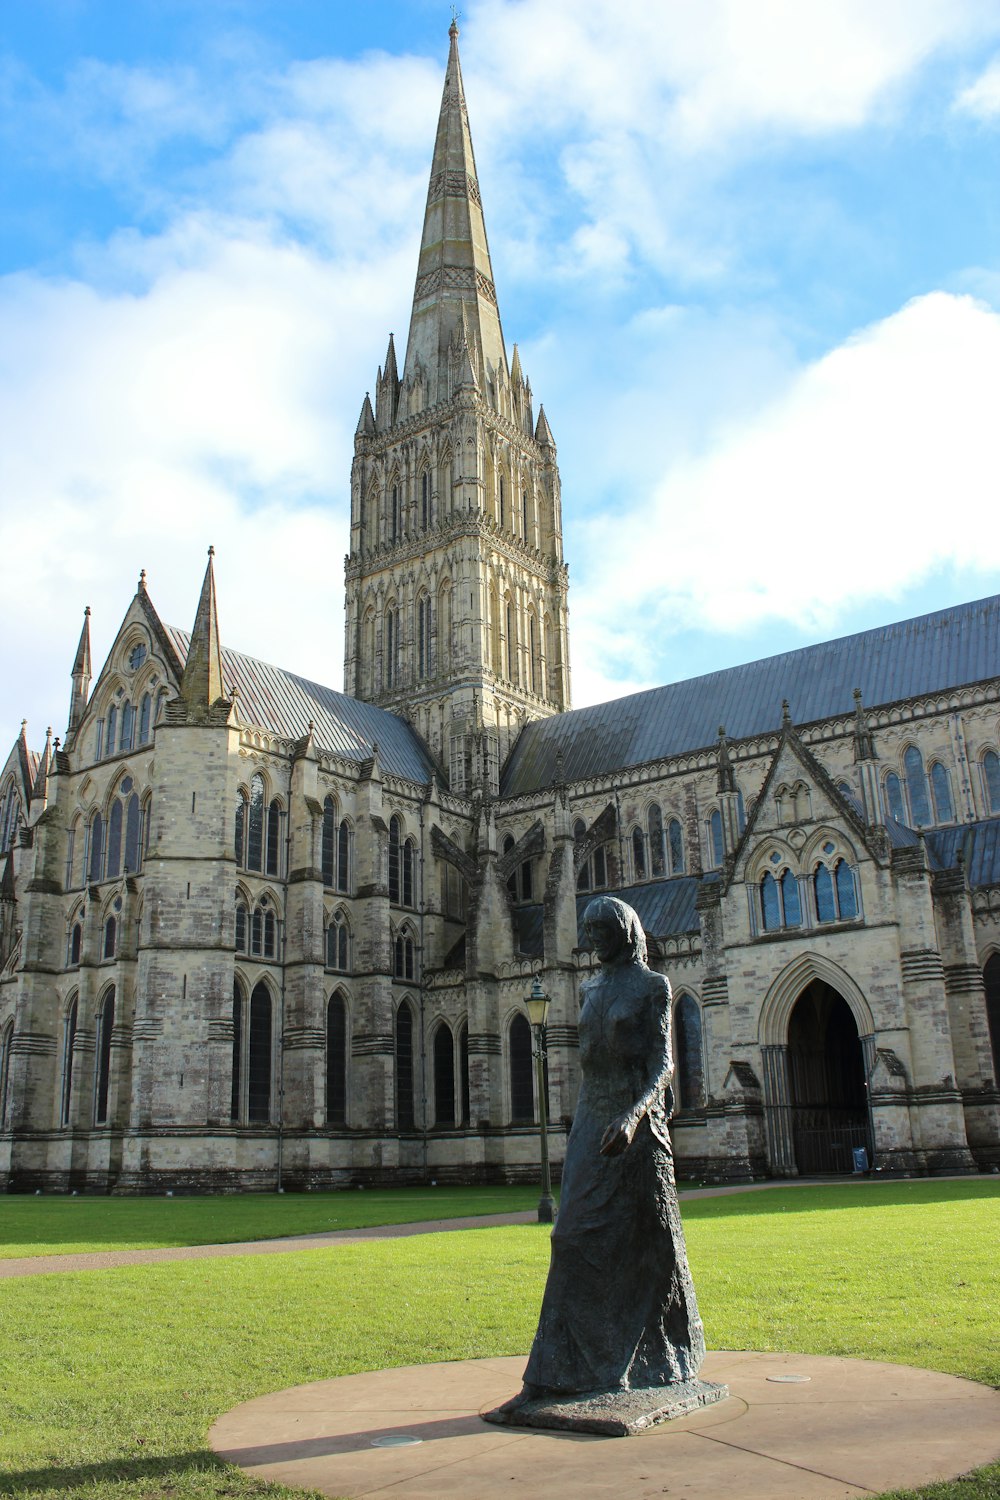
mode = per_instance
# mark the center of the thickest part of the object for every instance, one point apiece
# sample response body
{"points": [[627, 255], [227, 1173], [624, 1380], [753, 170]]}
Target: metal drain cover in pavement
{"points": [[396, 1440]]}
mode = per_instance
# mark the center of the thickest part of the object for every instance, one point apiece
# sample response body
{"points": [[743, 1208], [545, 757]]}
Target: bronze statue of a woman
{"points": [[619, 1315]]}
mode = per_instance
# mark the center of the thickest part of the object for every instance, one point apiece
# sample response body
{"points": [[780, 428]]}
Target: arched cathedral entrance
{"points": [[828, 1101]]}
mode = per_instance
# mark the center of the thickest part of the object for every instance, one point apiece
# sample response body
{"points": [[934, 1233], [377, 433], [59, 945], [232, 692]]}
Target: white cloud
{"points": [[981, 99], [874, 467], [218, 406], [654, 104]]}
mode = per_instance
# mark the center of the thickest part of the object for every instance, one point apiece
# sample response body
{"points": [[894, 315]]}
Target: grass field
{"points": [[109, 1380], [63, 1225]]}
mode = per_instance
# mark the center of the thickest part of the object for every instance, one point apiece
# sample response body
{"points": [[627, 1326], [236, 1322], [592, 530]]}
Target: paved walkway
{"points": [[104, 1260], [794, 1427]]}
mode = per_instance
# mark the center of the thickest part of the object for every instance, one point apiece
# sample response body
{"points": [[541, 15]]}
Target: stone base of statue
{"points": [[608, 1413]]}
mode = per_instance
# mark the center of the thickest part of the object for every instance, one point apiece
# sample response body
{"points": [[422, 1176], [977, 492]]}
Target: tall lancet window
{"points": [[425, 499], [424, 636], [391, 646]]}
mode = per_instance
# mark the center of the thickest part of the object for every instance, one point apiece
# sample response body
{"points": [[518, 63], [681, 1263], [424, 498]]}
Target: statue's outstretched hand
{"points": [[618, 1136]]}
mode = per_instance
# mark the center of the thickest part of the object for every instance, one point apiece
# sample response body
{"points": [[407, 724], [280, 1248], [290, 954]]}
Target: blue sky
{"points": [[749, 249]]}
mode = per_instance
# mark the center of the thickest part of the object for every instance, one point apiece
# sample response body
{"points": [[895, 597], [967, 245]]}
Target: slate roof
{"points": [[912, 657], [665, 909], [979, 844], [284, 703]]}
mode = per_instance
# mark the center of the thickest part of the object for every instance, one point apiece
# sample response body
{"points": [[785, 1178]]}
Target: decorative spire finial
{"points": [[142, 581], [453, 28], [211, 551], [786, 714]]}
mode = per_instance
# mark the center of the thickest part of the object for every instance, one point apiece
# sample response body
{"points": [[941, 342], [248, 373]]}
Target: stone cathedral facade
{"points": [[257, 932]]}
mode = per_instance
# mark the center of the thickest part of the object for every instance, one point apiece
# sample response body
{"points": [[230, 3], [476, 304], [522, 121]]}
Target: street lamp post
{"points": [[537, 1006]]}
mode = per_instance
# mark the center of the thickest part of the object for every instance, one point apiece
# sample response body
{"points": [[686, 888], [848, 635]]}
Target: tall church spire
{"points": [[81, 675], [202, 684], [454, 299], [456, 586]]}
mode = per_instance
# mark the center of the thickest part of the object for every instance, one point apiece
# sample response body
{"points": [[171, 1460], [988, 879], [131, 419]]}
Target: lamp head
{"points": [[537, 1003]]}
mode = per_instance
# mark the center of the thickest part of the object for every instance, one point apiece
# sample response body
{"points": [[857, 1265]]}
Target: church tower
{"points": [[456, 586]]}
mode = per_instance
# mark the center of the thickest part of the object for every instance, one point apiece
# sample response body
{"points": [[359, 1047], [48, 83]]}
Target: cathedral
{"points": [[258, 933]]}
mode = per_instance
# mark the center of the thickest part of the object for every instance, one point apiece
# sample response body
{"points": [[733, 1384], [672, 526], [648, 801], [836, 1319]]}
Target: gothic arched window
{"points": [[255, 824], [114, 854], [405, 1118], [239, 841], [145, 717], [259, 1057], [916, 787], [395, 844], [404, 964], [894, 797], [991, 980], [718, 843], [522, 1093], [444, 626], [105, 1026], [425, 499], [6, 1037], [128, 725], [75, 942], [391, 643], [779, 901], [338, 943], [675, 840], [424, 636], [991, 780], [444, 1077], [10, 817], [657, 852], [242, 925], [96, 860], [110, 937], [273, 860], [344, 856], [944, 811], [835, 892], [328, 840], [690, 1076], [638, 854], [236, 1102], [336, 1059], [69, 1043], [463, 1070]]}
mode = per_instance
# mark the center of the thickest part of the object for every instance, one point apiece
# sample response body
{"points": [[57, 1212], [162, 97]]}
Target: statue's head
{"points": [[615, 931]]}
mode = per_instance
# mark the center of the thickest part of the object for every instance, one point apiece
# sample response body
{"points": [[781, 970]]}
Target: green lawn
{"points": [[61, 1225], [109, 1380]]}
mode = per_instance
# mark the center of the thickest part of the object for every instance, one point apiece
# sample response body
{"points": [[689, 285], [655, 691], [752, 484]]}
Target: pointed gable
{"points": [[798, 794]]}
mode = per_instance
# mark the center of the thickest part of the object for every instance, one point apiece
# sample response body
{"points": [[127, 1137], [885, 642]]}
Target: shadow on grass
{"points": [[74, 1479], [822, 1198]]}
